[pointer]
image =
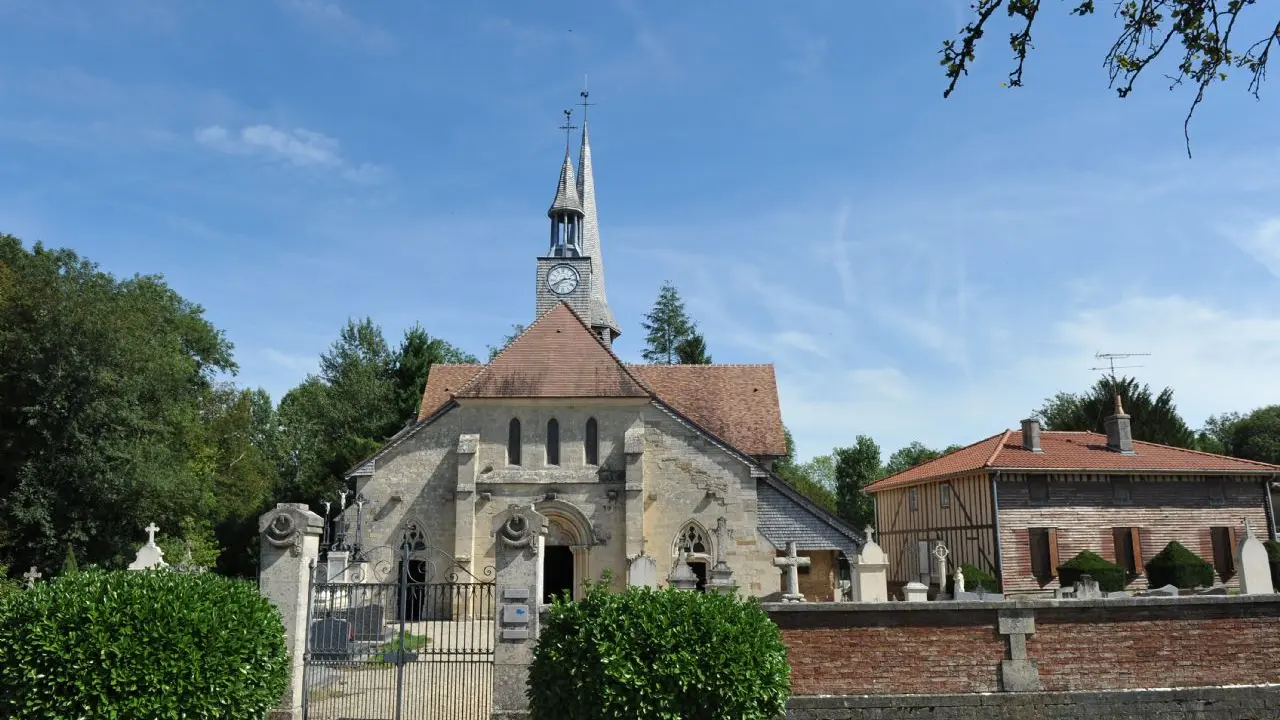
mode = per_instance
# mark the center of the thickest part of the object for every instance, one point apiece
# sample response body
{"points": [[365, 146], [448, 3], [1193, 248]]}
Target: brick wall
{"points": [[1084, 511], [932, 648]]}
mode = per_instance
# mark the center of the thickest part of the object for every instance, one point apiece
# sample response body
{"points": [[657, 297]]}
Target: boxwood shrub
{"points": [[135, 645], [1177, 566], [975, 580], [1110, 576], [647, 654]]}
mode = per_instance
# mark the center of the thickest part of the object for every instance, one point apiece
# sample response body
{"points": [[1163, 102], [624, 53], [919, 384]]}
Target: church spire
{"points": [[566, 209], [601, 320]]}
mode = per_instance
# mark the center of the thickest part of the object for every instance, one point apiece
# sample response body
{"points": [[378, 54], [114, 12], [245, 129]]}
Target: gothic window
{"points": [[691, 540], [591, 443], [414, 537], [513, 442], [553, 442]]}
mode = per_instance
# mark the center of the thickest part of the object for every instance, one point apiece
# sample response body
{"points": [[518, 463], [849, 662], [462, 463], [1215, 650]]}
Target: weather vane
{"points": [[585, 94], [568, 127]]}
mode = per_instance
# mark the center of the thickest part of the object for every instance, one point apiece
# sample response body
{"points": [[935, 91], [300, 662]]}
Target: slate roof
{"points": [[567, 189], [558, 356], [783, 516], [1070, 451]]}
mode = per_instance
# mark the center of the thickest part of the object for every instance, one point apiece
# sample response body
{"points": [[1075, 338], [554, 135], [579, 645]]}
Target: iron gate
{"points": [[402, 649]]}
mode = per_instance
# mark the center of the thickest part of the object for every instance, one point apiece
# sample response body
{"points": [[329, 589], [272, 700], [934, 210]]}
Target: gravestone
{"points": [[1087, 588], [915, 592], [870, 572], [721, 574], [149, 555], [368, 622], [519, 534], [941, 552], [1253, 565], [31, 576], [330, 639], [643, 572], [791, 565], [682, 576], [1166, 591]]}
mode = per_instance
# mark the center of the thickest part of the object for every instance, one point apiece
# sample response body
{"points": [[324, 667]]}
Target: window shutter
{"points": [[1231, 561], [1118, 536], [1053, 552], [1136, 535]]}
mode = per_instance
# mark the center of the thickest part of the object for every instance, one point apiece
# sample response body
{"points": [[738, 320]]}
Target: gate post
{"points": [[519, 533], [290, 545]]}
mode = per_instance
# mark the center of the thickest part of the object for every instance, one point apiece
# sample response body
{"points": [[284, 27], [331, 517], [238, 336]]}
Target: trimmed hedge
{"points": [[134, 645], [1177, 566], [646, 654], [1110, 576], [975, 579]]}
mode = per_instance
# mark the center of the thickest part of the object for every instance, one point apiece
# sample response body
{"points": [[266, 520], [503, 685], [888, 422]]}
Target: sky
{"points": [[916, 268]]}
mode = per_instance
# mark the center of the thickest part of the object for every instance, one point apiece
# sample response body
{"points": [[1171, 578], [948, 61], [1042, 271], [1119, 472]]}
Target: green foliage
{"points": [[418, 352], [1256, 436], [976, 579], [649, 654], [1273, 550], [693, 350], [668, 327], [1177, 566], [140, 645], [195, 536], [857, 467], [802, 476], [516, 329], [912, 455], [1110, 576], [8, 586], [69, 562], [1152, 419]]}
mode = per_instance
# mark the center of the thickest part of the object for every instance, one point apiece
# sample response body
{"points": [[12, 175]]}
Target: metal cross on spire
{"points": [[586, 103], [568, 127]]}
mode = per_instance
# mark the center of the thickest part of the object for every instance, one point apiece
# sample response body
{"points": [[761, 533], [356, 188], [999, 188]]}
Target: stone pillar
{"points": [[519, 534], [290, 545], [464, 506], [871, 573], [1018, 673], [633, 447], [1252, 564]]}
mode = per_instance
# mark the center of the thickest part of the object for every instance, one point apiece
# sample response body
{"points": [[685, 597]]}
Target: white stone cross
{"points": [[870, 533], [32, 576], [151, 533], [941, 552], [792, 563]]}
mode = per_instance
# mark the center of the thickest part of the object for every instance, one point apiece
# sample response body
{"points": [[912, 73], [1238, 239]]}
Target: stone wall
{"points": [[1251, 703], [846, 649]]}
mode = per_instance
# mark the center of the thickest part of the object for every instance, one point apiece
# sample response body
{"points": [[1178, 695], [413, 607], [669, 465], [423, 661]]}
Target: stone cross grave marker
{"points": [[941, 552], [151, 533], [792, 563], [32, 576]]}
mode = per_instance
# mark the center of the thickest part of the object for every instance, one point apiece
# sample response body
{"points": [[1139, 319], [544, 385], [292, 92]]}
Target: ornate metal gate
{"points": [[405, 648]]}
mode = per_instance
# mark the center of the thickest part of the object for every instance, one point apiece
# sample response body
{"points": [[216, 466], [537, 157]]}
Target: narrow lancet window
{"points": [[591, 443], [553, 442], [513, 442]]}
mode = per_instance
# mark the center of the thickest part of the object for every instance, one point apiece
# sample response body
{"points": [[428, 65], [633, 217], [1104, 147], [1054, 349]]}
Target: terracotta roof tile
{"points": [[736, 403], [442, 382], [1066, 451], [556, 356]]}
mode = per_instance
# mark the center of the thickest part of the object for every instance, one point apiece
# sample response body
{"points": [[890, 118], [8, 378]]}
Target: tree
{"points": [[857, 467], [1205, 33], [668, 326], [796, 476], [418, 352], [1256, 436], [69, 562], [516, 329], [1153, 420], [910, 456], [102, 384], [693, 350], [1215, 436]]}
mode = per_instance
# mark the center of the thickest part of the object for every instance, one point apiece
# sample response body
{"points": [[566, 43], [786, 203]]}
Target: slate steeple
{"points": [[601, 317]]}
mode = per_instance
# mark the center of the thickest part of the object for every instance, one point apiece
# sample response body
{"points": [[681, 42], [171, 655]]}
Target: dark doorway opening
{"points": [[557, 572], [415, 592], [700, 569]]}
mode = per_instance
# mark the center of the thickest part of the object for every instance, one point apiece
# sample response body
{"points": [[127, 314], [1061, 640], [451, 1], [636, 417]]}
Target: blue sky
{"points": [[916, 268]]}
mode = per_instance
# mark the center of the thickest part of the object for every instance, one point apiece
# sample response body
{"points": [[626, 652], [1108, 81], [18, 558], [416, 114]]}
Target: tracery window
{"points": [[691, 540], [414, 537]]}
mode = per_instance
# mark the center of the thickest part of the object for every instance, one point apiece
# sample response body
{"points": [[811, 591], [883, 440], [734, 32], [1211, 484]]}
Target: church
{"points": [[645, 472]]}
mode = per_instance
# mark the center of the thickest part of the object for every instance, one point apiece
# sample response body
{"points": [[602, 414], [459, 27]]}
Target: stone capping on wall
{"points": [[782, 610]]}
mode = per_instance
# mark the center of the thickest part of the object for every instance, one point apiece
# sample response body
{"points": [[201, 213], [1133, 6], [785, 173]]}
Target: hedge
{"points": [[133, 645], [975, 580], [1177, 566], [1110, 576], [646, 654]]}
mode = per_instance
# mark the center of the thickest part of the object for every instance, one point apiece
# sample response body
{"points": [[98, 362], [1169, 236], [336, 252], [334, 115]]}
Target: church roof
{"points": [[559, 357], [736, 403], [601, 315], [567, 190], [786, 515]]}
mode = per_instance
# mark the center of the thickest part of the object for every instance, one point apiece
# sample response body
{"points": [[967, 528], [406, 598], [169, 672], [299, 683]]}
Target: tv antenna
{"points": [[1111, 358]]}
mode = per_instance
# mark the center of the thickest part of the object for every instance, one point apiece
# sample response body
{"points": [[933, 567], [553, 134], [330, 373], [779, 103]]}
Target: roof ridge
{"points": [[1206, 454], [886, 478], [701, 365], [1004, 437]]}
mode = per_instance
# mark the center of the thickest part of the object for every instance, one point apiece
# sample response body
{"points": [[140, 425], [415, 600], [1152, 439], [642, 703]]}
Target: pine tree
{"points": [[856, 468], [668, 326], [693, 350]]}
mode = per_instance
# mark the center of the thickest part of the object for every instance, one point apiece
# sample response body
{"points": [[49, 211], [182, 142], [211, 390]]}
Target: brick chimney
{"points": [[1031, 435], [1119, 433]]}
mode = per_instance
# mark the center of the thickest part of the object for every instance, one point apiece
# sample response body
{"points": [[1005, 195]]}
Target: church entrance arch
{"points": [[695, 544], [566, 550]]}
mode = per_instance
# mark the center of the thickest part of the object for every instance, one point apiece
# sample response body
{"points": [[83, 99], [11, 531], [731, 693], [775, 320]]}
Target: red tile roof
{"points": [[1069, 451], [736, 403], [559, 357]]}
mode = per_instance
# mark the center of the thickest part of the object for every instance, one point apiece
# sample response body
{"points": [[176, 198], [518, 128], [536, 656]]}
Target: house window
{"points": [[1217, 493], [513, 442], [913, 499], [591, 443], [1043, 546], [1038, 487], [553, 442], [1121, 492], [945, 494], [1224, 551], [1128, 544]]}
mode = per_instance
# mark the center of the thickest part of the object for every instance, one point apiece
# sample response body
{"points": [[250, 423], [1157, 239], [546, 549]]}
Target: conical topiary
{"points": [[1177, 566], [1110, 576], [69, 562]]}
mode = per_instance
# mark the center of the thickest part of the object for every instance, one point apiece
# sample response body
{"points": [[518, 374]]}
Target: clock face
{"points": [[562, 279]]}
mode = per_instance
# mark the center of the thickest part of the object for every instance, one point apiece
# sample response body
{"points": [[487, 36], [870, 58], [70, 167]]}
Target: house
{"points": [[1020, 503]]}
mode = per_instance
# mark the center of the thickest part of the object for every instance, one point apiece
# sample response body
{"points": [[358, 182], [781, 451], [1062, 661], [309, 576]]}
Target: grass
{"points": [[411, 643]]}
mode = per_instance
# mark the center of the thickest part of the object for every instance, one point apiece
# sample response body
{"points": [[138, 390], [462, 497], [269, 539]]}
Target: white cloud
{"points": [[299, 147], [300, 364], [329, 15], [1263, 244]]}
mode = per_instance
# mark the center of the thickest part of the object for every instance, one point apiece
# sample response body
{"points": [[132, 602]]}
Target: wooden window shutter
{"points": [[1231, 561], [1136, 535], [1053, 552]]}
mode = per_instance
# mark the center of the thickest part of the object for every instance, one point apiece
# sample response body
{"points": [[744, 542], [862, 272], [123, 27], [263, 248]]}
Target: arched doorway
{"points": [[565, 550]]}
